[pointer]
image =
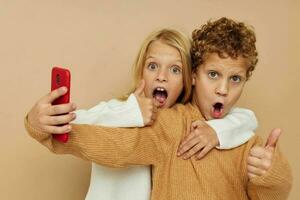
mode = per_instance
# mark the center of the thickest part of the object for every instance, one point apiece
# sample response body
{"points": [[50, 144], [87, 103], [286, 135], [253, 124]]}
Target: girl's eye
{"points": [[152, 66], [175, 69], [236, 79], [213, 74]]}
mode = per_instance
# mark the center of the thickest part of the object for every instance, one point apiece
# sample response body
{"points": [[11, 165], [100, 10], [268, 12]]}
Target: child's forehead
{"points": [[159, 48], [214, 60], [160, 44]]}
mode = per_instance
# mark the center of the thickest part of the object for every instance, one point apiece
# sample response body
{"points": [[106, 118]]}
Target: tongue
{"points": [[160, 97]]}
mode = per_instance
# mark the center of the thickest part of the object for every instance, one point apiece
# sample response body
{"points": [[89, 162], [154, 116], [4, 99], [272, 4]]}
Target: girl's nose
{"points": [[162, 75]]}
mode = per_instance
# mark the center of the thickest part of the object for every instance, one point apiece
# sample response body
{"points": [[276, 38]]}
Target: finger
{"points": [[204, 151], [260, 152], [50, 97], [257, 151], [273, 138], [254, 161], [188, 145], [60, 119], [140, 89], [256, 171], [264, 164], [250, 175], [196, 148], [57, 129], [61, 109], [197, 123], [184, 142]]}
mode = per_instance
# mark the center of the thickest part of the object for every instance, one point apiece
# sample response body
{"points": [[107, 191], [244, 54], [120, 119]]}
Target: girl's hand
{"points": [[46, 117], [260, 158], [199, 141], [147, 107]]}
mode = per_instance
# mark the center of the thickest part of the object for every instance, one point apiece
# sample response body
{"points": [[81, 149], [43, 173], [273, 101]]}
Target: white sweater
{"points": [[135, 183]]}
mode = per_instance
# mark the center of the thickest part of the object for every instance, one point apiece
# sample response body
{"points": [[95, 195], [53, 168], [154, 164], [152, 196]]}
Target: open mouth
{"points": [[217, 110], [160, 94]]}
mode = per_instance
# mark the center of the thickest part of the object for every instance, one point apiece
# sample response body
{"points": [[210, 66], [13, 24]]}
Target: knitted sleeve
{"points": [[113, 147], [275, 184]]}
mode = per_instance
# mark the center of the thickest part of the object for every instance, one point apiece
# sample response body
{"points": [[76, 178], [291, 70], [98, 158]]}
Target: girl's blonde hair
{"points": [[174, 39]]}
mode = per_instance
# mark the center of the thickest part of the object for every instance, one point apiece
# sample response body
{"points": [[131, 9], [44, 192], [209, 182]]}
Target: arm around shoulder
{"points": [[113, 147]]}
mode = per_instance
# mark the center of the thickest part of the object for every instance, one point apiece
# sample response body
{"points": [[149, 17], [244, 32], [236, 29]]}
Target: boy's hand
{"points": [[147, 107], [42, 115], [199, 141], [260, 158]]}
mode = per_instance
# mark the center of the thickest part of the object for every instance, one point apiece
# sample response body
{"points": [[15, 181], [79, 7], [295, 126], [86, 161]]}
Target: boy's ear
{"points": [[194, 77]]}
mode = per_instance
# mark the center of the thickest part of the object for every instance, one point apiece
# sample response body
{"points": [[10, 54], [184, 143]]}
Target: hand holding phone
{"points": [[61, 77]]}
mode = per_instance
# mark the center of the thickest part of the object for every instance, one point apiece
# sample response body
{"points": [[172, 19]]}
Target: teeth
{"points": [[160, 89]]}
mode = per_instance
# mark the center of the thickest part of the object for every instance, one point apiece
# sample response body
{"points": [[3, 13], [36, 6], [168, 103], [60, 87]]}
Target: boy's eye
{"points": [[236, 79], [152, 66], [213, 74], [175, 69]]}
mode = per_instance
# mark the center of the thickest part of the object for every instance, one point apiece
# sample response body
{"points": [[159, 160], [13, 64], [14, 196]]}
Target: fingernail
{"points": [[69, 127]]}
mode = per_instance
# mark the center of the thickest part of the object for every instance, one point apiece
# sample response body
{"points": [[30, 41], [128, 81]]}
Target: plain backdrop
{"points": [[98, 41]]}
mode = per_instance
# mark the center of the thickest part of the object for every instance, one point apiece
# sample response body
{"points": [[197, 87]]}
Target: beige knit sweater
{"points": [[220, 175]]}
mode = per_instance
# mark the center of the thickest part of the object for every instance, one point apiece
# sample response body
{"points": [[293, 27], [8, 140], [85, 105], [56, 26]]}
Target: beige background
{"points": [[98, 41]]}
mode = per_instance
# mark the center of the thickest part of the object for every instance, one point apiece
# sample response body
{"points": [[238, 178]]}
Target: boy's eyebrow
{"points": [[239, 72]]}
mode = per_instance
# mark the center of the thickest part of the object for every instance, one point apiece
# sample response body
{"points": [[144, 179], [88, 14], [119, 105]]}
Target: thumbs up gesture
{"points": [[260, 158], [147, 107]]}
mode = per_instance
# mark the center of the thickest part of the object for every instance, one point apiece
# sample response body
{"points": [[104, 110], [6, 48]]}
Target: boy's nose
{"points": [[162, 76], [222, 89]]}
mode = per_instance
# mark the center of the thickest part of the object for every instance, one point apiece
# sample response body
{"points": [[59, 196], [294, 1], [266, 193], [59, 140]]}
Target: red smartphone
{"points": [[61, 77]]}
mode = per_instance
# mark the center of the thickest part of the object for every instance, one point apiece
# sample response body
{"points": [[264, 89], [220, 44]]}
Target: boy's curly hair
{"points": [[227, 38]]}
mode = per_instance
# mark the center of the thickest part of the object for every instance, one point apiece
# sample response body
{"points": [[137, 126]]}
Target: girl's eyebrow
{"points": [[178, 60], [152, 57], [149, 56]]}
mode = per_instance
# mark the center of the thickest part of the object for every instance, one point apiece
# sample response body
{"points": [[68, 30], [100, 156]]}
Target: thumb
{"points": [[139, 91], [273, 138]]}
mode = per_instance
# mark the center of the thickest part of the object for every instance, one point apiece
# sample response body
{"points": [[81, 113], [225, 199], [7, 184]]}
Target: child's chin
{"points": [[165, 105], [161, 104]]}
